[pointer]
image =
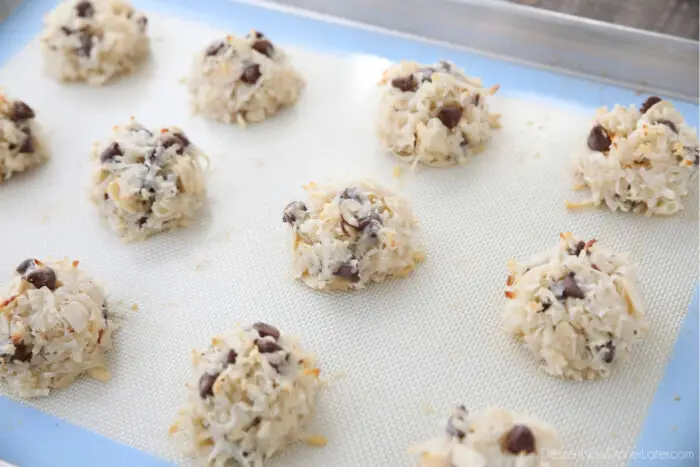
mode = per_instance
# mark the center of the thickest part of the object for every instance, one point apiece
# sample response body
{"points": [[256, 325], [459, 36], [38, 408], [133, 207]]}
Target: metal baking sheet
{"points": [[31, 436]]}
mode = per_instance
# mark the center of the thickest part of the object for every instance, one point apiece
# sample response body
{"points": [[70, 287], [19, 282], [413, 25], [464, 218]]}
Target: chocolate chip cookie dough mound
{"points": [[54, 327], [93, 40], [146, 181], [21, 146], [254, 391], [345, 236], [435, 115], [242, 80], [492, 438], [638, 160], [576, 307]]}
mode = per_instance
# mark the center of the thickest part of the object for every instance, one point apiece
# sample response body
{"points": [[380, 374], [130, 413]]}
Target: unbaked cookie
{"points": [[638, 160], [93, 40], [147, 181], [347, 235], [492, 438], [21, 146], [576, 307], [435, 115], [253, 393], [242, 80], [54, 327]]}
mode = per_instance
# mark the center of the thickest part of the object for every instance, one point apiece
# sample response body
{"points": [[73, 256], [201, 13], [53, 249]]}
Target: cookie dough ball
{"points": [[492, 438], [638, 160], [254, 391], [576, 307], [21, 146], [93, 40], [347, 235], [54, 327], [242, 80], [435, 115], [147, 181]]}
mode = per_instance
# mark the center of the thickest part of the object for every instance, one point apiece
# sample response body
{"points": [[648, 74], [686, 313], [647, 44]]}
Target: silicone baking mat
{"points": [[408, 349]]}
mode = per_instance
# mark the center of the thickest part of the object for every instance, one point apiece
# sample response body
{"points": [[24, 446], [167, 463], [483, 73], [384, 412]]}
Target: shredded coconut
{"points": [[147, 181], [638, 160], [492, 438], [254, 391], [347, 235], [21, 145], [576, 307], [93, 41], [242, 80], [54, 327], [435, 115]]}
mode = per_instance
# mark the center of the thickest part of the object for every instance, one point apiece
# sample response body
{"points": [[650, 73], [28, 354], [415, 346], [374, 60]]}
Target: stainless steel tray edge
{"points": [[641, 60]]}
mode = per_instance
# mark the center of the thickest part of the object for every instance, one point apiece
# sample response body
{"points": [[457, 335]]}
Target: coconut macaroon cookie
{"points": [[54, 327], [347, 235], [146, 181], [253, 393], [435, 115], [638, 160], [21, 146], [492, 438], [242, 80], [576, 307], [93, 40]]}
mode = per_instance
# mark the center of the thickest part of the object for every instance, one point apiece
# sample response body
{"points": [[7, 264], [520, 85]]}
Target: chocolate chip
{"points": [[267, 346], [142, 22], [519, 440], [450, 114], [28, 143], [607, 352], [178, 139], [350, 193], [445, 65], [649, 103], [44, 277], [405, 84], [577, 249], [289, 214], [215, 48], [425, 74], [21, 111], [85, 44], [465, 141], [251, 73], [476, 98], [104, 310], [264, 47], [669, 124], [66, 31], [184, 140], [545, 306], [26, 265], [142, 221], [571, 288], [258, 35], [84, 10], [231, 357], [266, 330], [365, 222], [349, 271], [206, 385], [23, 353], [112, 151], [453, 430], [598, 139]]}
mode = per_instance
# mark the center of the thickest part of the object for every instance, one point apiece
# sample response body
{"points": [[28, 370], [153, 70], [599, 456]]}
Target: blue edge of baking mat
{"points": [[31, 438]]}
